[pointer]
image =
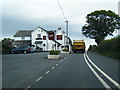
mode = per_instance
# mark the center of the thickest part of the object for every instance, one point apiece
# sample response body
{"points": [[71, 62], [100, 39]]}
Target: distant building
{"points": [[42, 39], [119, 8]]}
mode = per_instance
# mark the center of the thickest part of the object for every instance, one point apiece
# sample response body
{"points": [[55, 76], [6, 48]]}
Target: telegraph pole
{"points": [[67, 30]]}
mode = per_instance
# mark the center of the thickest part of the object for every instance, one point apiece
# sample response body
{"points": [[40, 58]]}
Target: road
{"points": [[71, 71]]}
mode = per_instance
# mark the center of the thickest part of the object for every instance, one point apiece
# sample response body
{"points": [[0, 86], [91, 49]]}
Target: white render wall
{"points": [[60, 32], [20, 38], [34, 35], [49, 44]]}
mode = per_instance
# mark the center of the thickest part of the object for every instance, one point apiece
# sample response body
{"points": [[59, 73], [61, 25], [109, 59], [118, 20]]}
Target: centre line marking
{"points": [[28, 87], [39, 79], [53, 67], [65, 57], [60, 62], [47, 72], [56, 64]]}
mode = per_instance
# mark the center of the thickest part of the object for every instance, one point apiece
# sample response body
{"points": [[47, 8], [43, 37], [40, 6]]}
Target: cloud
{"points": [[29, 14]]}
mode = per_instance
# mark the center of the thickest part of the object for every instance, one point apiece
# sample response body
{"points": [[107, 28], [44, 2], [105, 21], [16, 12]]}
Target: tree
{"points": [[7, 45], [101, 24]]}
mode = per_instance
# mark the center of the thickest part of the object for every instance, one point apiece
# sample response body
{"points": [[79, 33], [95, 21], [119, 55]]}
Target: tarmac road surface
{"points": [[88, 70]]}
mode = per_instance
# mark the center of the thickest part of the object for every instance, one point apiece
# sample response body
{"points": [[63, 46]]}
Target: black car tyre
{"points": [[12, 52]]}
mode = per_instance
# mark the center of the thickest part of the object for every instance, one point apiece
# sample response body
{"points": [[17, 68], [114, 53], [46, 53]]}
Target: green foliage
{"points": [[111, 44], [100, 24], [92, 48], [7, 45], [54, 52], [110, 48], [65, 49]]}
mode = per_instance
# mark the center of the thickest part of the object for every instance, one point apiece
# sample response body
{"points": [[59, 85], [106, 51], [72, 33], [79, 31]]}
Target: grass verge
{"points": [[113, 55], [109, 48]]}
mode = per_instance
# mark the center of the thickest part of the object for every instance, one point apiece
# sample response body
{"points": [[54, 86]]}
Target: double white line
{"points": [[97, 75]]}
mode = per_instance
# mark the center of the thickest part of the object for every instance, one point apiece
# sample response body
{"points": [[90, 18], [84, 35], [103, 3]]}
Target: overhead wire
{"points": [[62, 10]]}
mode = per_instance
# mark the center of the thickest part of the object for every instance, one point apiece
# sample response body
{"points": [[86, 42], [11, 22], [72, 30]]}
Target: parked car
{"points": [[38, 49], [22, 49]]}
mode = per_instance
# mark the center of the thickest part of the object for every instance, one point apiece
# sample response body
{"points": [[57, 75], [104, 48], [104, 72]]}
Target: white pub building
{"points": [[43, 40]]}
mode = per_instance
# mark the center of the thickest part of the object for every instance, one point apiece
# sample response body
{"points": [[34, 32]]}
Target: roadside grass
{"points": [[109, 48], [113, 55]]}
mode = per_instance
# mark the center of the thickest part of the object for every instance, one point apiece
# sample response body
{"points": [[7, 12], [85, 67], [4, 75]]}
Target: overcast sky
{"points": [[29, 14]]}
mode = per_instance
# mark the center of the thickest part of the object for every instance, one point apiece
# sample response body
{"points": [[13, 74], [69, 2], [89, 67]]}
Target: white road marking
{"points": [[108, 77], [60, 62], [53, 67], [96, 74], [39, 79], [65, 57], [28, 87], [47, 72]]}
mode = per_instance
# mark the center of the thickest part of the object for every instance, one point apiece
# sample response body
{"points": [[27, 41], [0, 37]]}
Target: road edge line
{"points": [[108, 77], [96, 74]]}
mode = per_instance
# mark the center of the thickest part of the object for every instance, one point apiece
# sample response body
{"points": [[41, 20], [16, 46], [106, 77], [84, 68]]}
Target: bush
{"points": [[111, 45], [7, 45], [92, 48], [54, 52], [65, 49], [110, 48]]}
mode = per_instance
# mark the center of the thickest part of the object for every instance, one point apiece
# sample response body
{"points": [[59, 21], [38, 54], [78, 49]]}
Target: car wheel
{"points": [[12, 52], [25, 52]]}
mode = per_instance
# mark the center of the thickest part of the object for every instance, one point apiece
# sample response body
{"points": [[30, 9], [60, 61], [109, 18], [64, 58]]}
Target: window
{"points": [[44, 37], [59, 37], [51, 35], [39, 35], [38, 38], [38, 42]]}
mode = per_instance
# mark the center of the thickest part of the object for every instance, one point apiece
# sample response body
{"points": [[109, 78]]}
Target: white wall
{"points": [[48, 43], [60, 32], [17, 38], [20, 38], [51, 45], [38, 31]]}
